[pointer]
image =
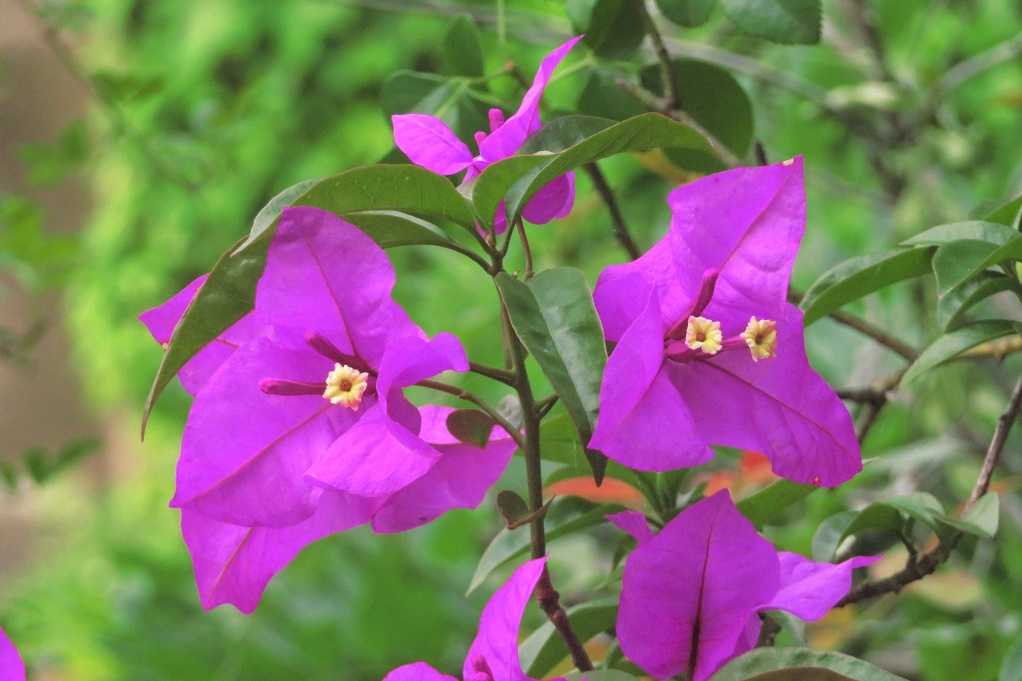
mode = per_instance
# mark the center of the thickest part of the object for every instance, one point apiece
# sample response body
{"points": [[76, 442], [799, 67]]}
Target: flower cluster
{"points": [[300, 427]]}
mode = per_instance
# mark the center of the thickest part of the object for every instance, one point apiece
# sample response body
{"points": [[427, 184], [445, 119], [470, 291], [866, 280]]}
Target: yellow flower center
{"points": [[704, 334], [346, 386], [761, 337]]}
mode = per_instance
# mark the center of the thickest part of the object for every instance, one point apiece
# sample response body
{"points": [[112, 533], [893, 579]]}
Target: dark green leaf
{"points": [[830, 534], [861, 276], [470, 426], [510, 545], [982, 519], [799, 664], [545, 648], [554, 316], [954, 343], [564, 132], [512, 507], [519, 177], [780, 21], [602, 96], [770, 502], [689, 13], [959, 261], [952, 306], [1008, 214], [956, 231], [723, 109], [463, 51], [612, 28], [391, 228], [892, 514]]}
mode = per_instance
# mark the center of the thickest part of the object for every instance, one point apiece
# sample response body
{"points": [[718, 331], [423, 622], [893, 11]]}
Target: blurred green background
{"points": [[140, 137]]}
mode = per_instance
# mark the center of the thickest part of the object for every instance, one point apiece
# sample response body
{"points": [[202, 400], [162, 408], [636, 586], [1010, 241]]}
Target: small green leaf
{"points": [[953, 304], [690, 13], [780, 21], [512, 507], [723, 109], [799, 664], [463, 51], [470, 426], [554, 316], [510, 545], [612, 28], [954, 343], [982, 519], [545, 648], [892, 514], [518, 178], [770, 502], [858, 277]]}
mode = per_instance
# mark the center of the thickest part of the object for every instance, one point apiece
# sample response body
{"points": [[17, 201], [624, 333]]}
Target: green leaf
{"points": [[512, 507], [858, 277], [779, 21], [1008, 214], [982, 519], [770, 502], [892, 514], [799, 664], [953, 304], [545, 648], [959, 261], [510, 545], [564, 132], [954, 343], [463, 51], [690, 13], [602, 96], [830, 534], [470, 426], [1011, 668], [956, 231], [560, 443], [554, 316], [447, 98], [518, 178], [723, 109], [612, 28]]}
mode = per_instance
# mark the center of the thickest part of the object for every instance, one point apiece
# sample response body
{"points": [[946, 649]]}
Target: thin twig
{"points": [[526, 249], [502, 375], [865, 328], [463, 394], [672, 99], [919, 567], [621, 232]]}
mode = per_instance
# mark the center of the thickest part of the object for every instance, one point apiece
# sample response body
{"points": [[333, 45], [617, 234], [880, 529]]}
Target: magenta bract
{"points": [[300, 428], [11, 666], [493, 655], [707, 342], [428, 142], [692, 593]]}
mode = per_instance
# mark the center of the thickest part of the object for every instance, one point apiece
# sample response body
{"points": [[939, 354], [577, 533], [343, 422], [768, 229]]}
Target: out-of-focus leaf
{"points": [[1011, 668], [690, 13], [780, 21], [554, 316], [959, 261], [470, 426], [830, 534], [799, 664], [509, 545], [50, 162], [612, 28], [463, 51], [545, 648], [518, 178], [723, 109], [953, 304], [858, 277], [954, 343], [982, 519], [447, 98], [770, 502]]}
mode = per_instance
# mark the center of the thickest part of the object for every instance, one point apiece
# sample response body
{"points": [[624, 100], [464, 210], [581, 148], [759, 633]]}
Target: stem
{"points": [[526, 250], [502, 375], [621, 233], [919, 567], [672, 100], [866, 329], [463, 394]]}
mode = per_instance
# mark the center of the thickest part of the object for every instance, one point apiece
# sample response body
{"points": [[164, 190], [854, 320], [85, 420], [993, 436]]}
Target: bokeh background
{"points": [[138, 138]]}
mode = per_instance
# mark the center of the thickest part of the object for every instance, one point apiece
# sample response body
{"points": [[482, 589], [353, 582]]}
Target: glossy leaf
{"points": [[544, 648], [520, 177], [982, 519], [800, 664], [554, 316], [511, 545], [470, 426], [779, 21], [979, 230], [690, 13], [612, 28], [858, 277], [723, 109], [1008, 214], [770, 502], [463, 50], [954, 343], [952, 306], [959, 261], [602, 96]]}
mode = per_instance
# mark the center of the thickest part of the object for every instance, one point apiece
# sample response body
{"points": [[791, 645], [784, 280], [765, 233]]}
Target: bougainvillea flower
{"points": [[11, 666], [707, 342], [493, 655], [692, 593], [428, 142], [300, 427]]}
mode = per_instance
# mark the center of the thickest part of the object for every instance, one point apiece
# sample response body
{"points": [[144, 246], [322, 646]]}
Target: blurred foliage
{"points": [[205, 110]]}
